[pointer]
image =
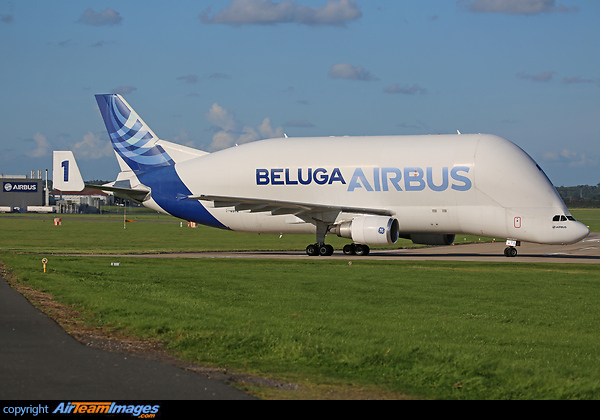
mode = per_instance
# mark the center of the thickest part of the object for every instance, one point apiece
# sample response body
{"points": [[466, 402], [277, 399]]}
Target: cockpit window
{"points": [[562, 218]]}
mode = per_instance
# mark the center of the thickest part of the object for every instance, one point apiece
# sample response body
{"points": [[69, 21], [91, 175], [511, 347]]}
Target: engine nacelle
{"points": [[369, 230], [431, 238]]}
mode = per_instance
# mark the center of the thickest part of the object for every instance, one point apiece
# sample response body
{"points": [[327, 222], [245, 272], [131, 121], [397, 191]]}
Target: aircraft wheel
{"points": [[510, 251], [312, 250], [325, 250], [349, 249], [361, 250]]}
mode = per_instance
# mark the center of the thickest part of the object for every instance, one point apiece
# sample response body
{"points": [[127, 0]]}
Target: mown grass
{"points": [[145, 233], [590, 217], [432, 330], [444, 330]]}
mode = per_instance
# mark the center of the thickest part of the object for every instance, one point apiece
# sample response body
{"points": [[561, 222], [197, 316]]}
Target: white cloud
{"points": [[267, 12], [183, 138], [42, 146], [221, 118], [230, 132], [348, 71], [106, 17], [514, 7], [92, 147], [406, 90], [569, 158]]}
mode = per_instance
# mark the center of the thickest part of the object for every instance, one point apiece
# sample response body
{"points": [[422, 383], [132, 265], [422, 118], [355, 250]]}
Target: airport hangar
{"points": [[21, 193]]}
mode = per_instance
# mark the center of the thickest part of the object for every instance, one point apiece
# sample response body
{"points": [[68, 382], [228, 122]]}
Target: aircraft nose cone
{"points": [[580, 231]]}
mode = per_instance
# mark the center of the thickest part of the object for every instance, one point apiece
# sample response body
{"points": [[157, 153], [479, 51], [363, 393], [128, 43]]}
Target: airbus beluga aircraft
{"points": [[372, 190]]}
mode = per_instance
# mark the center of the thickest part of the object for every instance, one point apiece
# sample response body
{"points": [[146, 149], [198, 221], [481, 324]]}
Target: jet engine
{"points": [[430, 238], [369, 230]]}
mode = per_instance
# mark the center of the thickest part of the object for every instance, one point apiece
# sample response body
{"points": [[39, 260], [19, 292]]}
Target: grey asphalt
{"points": [[586, 251], [40, 361]]}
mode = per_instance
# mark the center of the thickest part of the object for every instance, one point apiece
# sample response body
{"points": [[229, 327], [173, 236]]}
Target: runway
{"points": [[586, 251]]}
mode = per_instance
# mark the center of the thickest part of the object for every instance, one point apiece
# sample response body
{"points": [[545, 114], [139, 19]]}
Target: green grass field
{"points": [[442, 330], [145, 233]]}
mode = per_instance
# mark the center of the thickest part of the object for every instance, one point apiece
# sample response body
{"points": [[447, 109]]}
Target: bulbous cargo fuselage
{"points": [[444, 184]]}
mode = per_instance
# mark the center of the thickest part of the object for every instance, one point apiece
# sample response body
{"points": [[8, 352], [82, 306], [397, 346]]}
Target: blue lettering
{"points": [[411, 176], [415, 178], [461, 178], [65, 165], [395, 180], [336, 175], [275, 175], [302, 181], [262, 177], [323, 179], [430, 183], [281, 176], [376, 179], [288, 181], [356, 180]]}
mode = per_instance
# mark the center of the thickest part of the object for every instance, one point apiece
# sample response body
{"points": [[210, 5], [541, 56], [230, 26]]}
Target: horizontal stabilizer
{"points": [[123, 190]]}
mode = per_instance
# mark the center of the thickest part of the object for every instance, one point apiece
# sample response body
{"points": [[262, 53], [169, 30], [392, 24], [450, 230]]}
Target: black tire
{"points": [[349, 249], [312, 250], [361, 250], [325, 250]]}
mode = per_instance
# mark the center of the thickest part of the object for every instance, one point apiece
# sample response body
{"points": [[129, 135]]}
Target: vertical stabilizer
{"points": [[133, 141], [65, 172]]}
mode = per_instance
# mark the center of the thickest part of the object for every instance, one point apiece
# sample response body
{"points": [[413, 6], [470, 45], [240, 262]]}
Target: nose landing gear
{"points": [[510, 250]]}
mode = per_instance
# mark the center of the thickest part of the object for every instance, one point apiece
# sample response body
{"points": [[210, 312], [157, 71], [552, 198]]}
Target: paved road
{"points": [[40, 361]]}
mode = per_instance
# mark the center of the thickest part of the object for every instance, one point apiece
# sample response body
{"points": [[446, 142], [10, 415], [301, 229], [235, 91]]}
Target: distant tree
{"points": [[580, 195]]}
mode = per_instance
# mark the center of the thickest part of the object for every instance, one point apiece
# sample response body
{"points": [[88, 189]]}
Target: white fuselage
{"points": [[442, 184]]}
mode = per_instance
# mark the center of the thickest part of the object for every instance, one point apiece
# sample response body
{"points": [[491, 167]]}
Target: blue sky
{"points": [[209, 74]]}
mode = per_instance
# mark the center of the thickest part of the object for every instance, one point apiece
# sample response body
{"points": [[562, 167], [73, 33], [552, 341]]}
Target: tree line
{"points": [[580, 195]]}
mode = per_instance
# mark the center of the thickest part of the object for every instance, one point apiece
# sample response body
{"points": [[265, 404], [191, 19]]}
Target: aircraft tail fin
{"points": [[65, 172], [133, 141], [135, 144]]}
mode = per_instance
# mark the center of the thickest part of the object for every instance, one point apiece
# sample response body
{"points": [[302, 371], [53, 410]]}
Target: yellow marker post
{"points": [[44, 261]]}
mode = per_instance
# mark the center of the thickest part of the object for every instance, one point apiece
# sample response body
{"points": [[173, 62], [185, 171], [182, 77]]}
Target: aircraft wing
{"points": [[277, 207]]}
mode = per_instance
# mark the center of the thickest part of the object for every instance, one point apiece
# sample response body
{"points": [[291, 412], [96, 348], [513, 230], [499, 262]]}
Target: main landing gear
{"points": [[322, 249], [356, 249], [325, 250]]}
